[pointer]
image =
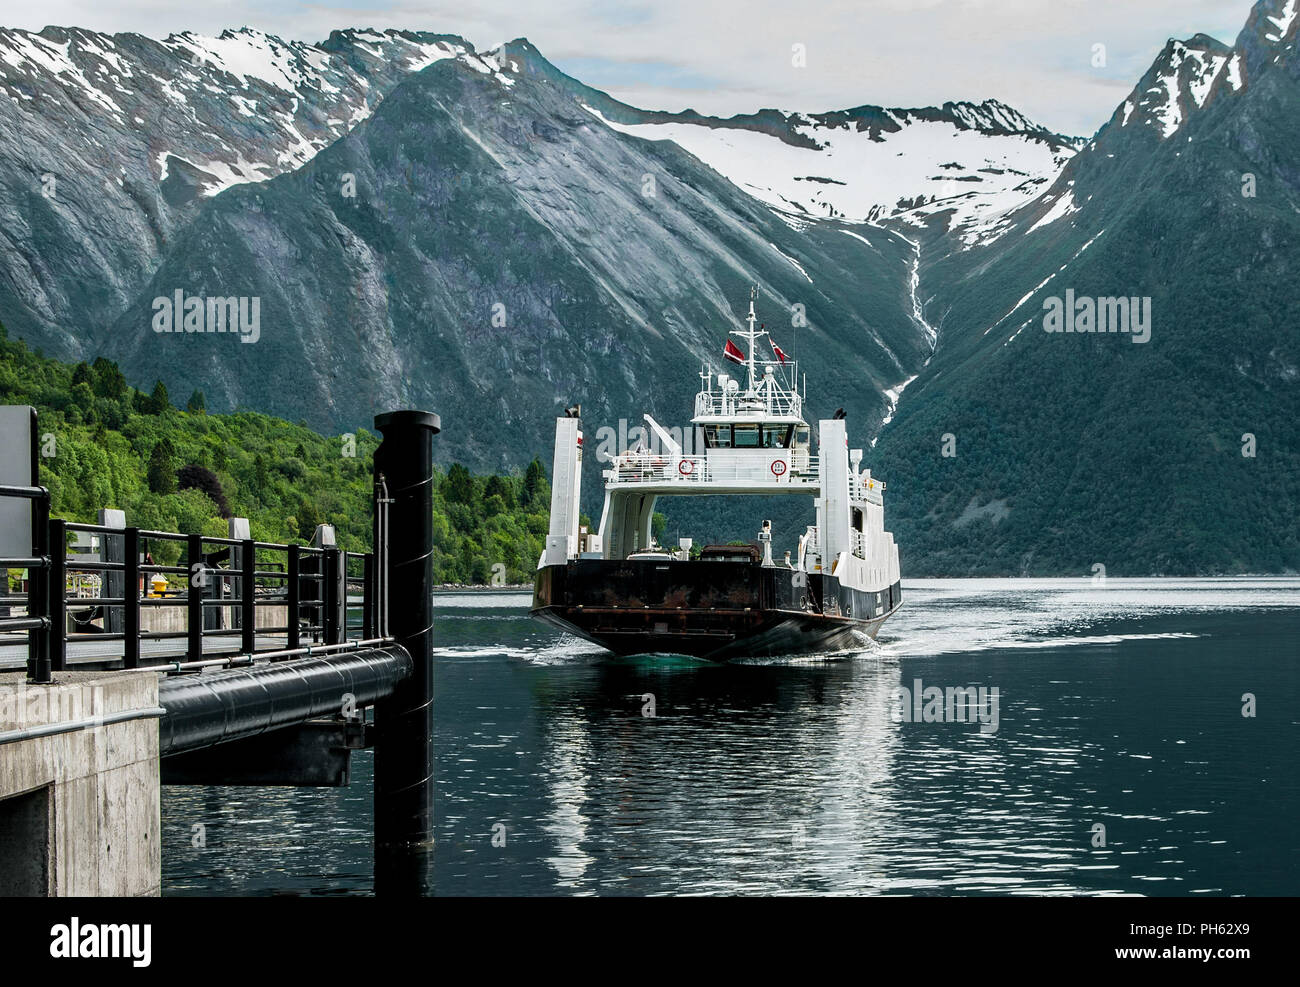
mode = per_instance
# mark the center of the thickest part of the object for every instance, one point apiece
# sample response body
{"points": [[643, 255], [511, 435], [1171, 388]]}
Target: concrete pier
{"points": [[79, 785]]}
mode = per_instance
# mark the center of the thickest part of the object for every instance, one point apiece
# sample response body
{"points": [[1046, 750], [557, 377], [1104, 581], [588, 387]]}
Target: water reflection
{"points": [[1119, 707]]}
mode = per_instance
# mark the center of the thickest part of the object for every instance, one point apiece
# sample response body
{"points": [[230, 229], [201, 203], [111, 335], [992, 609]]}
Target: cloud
{"points": [[735, 56]]}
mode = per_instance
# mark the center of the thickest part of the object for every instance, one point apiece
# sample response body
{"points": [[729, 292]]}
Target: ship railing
{"points": [[700, 471], [860, 491], [781, 403]]}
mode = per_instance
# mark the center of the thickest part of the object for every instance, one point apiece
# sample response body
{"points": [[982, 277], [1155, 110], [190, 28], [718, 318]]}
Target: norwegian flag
{"points": [[732, 352], [780, 353]]}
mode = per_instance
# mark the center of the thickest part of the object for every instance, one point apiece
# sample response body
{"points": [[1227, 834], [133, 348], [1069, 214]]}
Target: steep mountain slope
{"points": [[112, 143], [1077, 449], [616, 265]]}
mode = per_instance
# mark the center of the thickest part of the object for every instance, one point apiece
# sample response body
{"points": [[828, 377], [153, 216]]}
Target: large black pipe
{"points": [[203, 710], [404, 721]]}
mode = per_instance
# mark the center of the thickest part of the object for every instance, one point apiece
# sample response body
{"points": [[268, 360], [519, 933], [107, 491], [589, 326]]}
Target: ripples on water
{"points": [[1119, 705]]}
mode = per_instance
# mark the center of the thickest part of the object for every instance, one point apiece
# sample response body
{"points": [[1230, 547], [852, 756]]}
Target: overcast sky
{"points": [[735, 56]]}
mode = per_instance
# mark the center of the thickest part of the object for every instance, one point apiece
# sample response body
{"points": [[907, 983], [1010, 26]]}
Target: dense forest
{"points": [[106, 444]]}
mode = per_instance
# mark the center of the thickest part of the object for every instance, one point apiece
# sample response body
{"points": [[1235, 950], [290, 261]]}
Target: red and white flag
{"points": [[780, 353], [732, 352]]}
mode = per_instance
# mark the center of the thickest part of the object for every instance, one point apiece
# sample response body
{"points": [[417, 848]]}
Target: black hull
{"points": [[707, 609]]}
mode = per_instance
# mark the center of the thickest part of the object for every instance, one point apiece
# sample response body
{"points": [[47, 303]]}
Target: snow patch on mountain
{"points": [[1063, 206], [245, 54], [797, 265], [969, 170], [1284, 21], [1181, 81], [892, 395]]}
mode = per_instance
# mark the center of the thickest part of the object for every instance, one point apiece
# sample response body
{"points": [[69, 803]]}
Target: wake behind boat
{"points": [[620, 590]]}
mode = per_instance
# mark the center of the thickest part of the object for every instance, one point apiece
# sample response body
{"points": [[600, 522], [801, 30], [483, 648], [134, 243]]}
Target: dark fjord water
{"points": [[1119, 705]]}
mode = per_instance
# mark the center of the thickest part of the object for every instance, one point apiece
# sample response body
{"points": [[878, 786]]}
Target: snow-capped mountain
{"points": [[1179, 83], [967, 163], [460, 182], [113, 144], [241, 107], [116, 144]]}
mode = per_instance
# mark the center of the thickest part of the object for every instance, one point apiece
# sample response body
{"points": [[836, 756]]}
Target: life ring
{"points": [[686, 467], [778, 467]]}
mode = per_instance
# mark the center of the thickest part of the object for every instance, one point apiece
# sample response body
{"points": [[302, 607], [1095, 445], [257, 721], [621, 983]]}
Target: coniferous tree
{"points": [[162, 473], [533, 480], [459, 485], [159, 401], [109, 382]]}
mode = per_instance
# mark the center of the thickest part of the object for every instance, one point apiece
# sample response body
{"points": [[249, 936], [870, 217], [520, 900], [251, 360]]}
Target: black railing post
{"points": [[294, 590], [403, 787], [330, 594], [38, 595], [198, 581], [111, 580], [368, 596], [131, 598], [58, 598], [248, 595]]}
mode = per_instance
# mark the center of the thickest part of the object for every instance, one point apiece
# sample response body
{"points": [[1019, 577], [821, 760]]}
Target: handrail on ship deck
{"points": [[700, 471], [777, 404], [697, 471]]}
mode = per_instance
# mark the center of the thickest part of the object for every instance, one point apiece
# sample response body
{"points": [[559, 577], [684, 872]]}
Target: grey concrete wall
{"points": [[99, 786], [174, 619]]}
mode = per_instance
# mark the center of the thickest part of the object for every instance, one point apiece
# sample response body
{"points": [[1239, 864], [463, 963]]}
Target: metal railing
{"points": [[773, 401], [778, 470], [260, 597]]}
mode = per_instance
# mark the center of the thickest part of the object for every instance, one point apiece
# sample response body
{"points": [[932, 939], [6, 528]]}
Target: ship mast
{"points": [[750, 336]]}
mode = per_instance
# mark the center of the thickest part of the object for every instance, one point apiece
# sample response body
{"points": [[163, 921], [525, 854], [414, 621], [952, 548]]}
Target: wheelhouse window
{"points": [[717, 436], [776, 436], [801, 437], [747, 436]]}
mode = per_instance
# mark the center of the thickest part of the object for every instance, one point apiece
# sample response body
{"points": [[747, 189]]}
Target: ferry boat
{"points": [[619, 589]]}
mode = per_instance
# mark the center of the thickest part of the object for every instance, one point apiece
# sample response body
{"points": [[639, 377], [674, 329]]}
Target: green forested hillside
{"points": [[106, 444]]}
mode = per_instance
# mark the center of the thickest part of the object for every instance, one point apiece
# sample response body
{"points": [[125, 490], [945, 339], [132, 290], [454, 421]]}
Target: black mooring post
{"points": [[403, 544]]}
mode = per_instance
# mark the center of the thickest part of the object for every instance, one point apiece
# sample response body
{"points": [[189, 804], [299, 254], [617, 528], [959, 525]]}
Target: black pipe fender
{"points": [[213, 708]]}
